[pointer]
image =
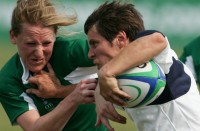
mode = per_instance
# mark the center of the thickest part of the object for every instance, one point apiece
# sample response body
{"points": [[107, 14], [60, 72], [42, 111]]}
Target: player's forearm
{"points": [[57, 118], [137, 52], [65, 91]]}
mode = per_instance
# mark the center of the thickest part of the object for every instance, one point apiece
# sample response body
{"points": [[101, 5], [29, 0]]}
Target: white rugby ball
{"points": [[143, 83]]}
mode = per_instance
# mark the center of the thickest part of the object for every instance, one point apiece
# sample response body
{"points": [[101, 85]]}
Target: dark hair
{"points": [[111, 18]]}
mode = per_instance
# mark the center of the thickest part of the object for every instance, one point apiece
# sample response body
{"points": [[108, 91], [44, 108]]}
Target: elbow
{"points": [[160, 41]]}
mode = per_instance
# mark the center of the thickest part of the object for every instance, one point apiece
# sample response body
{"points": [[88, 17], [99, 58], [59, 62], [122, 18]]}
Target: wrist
{"points": [[58, 93], [71, 101], [97, 90], [105, 71]]}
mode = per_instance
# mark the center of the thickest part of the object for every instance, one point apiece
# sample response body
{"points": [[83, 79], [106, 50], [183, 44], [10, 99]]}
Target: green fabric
{"points": [[66, 57], [193, 49]]}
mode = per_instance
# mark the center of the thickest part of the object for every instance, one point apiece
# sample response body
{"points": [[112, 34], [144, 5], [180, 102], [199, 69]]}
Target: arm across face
{"points": [[137, 52]]}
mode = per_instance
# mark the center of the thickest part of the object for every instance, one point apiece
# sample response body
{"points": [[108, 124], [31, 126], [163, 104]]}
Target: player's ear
{"points": [[12, 37], [122, 39]]}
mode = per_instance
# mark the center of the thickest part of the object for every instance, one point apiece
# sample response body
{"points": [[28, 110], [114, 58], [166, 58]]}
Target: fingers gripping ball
{"points": [[144, 83]]}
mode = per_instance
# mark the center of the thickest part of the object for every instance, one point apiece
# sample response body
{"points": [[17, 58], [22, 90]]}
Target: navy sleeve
{"points": [[146, 32]]}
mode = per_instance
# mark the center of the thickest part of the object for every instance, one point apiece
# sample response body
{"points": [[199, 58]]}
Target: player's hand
{"points": [[84, 92], [109, 89], [105, 110], [46, 84]]}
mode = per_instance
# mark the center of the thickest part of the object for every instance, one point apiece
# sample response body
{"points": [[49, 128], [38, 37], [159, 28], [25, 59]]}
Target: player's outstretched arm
{"points": [[57, 118]]}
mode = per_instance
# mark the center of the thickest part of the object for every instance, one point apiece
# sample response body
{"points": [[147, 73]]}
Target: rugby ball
{"points": [[143, 83]]}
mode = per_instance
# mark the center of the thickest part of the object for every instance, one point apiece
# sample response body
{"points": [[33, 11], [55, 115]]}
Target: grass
{"points": [[5, 124], [129, 126], [6, 51]]}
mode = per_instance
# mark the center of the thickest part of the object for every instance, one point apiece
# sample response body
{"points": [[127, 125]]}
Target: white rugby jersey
{"points": [[178, 107]]}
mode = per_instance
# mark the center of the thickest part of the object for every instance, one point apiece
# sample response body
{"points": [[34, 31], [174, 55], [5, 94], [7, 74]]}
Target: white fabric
{"points": [[82, 73], [181, 114], [190, 65], [164, 59], [26, 73]]}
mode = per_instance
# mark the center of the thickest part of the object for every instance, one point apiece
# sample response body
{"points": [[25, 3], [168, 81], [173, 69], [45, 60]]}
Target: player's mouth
{"points": [[38, 61], [95, 62], [98, 65]]}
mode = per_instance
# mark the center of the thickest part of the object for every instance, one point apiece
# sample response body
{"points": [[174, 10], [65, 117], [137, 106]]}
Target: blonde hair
{"points": [[39, 12]]}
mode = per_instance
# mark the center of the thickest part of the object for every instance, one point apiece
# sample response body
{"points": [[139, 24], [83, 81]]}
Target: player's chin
{"points": [[98, 66], [36, 68]]}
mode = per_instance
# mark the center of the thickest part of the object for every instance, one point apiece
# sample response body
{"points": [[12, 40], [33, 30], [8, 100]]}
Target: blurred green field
{"points": [[6, 126], [5, 123], [6, 51]]}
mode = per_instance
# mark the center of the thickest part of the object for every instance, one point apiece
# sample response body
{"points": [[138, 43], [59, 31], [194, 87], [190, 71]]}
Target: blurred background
{"points": [[177, 19]]}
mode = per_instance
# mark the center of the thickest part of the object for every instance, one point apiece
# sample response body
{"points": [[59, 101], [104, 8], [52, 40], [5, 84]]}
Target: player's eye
{"points": [[93, 44], [47, 43], [30, 44]]}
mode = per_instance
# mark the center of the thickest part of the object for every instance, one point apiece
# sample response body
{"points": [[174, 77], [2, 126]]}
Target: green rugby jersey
{"points": [[191, 57], [68, 56]]}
